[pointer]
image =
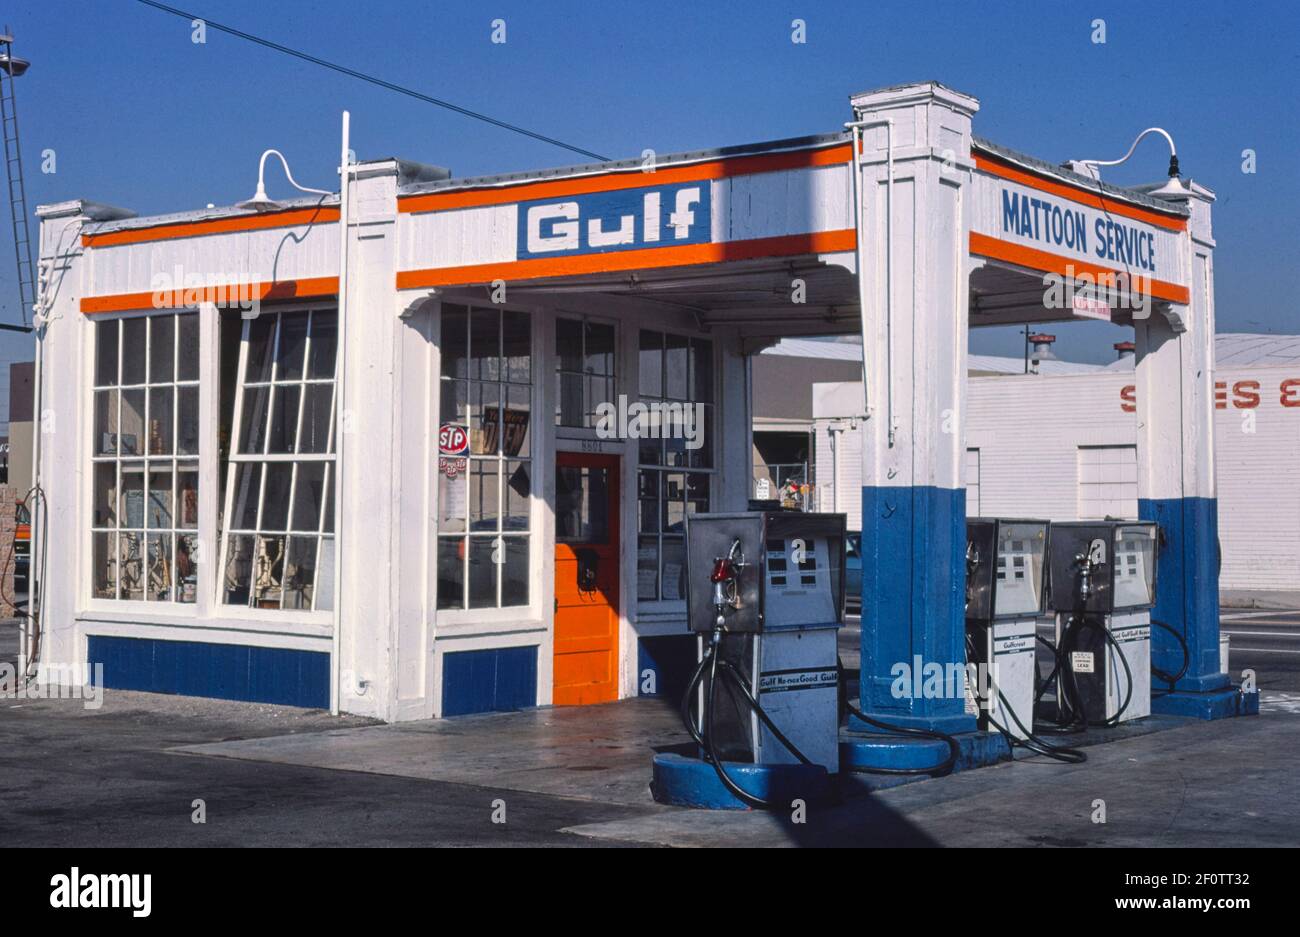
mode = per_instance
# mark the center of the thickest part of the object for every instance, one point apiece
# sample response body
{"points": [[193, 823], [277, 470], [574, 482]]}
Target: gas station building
{"points": [[449, 472]]}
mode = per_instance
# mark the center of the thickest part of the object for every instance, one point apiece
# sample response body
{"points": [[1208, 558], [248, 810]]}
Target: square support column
{"points": [[916, 172], [1177, 486]]}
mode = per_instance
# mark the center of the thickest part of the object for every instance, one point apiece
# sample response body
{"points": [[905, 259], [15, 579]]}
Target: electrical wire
{"points": [[362, 76]]}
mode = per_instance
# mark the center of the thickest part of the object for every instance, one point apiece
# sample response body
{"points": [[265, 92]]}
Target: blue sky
{"points": [[140, 116]]}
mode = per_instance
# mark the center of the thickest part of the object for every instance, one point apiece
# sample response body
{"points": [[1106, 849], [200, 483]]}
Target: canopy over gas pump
{"points": [[765, 595], [1103, 585]]}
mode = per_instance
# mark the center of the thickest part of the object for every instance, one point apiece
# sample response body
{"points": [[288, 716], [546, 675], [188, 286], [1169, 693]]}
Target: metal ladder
{"points": [[11, 68]]}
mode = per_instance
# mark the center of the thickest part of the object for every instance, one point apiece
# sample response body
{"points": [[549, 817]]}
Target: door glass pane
{"points": [[581, 504]]}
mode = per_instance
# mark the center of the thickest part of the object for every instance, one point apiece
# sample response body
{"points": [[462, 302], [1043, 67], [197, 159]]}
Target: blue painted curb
{"points": [[692, 782], [862, 752], [1220, 704]]}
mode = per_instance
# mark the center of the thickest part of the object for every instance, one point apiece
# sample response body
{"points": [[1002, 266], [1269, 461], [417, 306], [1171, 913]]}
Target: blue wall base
{"points": [[693, 782], [865, 753], [1219, 704]]}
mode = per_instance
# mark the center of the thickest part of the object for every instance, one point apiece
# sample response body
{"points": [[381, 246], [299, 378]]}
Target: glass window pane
{"points": [[187, 567], [293, 346], [454, 343], [159, 510], [651, 365], [324, 344], [188, 351], [308, 496], [517, 341], [275, 499], [316, 418], [697, 493], [104, 497], [674, 502], [187, 496], [162, 349], [133, 350], [325, 576], [568, 344], [300, 572], [239, 569], [483, 510], [248, 481], [568, 399], [131, 510], [187, 421], [648, 500], [599, 352], [485, 344], [284, 419], [260, 346], [131, 566], [485, 427], [676, 370], [674, 568], [453, 496], [105, 441], [328, 526], [106, 335], [482, 572], [702, 370], [158, 586], [268, 572], [516, 418], [451, 572], [160, 420], [132, 438], [518, 487], [647, 568], [252, 422], [455, 402], [699, 436], [599, 390], [515, 571], [104, 563]]}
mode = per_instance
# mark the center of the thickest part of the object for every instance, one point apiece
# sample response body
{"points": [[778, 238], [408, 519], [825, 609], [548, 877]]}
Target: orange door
{"points": [[586, 578]]}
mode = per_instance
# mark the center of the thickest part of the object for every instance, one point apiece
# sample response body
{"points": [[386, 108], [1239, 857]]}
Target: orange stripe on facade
{"points": [[611, 261], [1077, 194], [630, 179], [220, 294], [189, 229], [1034, 259]]}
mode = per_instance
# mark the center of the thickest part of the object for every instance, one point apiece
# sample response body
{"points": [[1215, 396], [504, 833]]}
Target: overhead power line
{"points": [[353, 73]]}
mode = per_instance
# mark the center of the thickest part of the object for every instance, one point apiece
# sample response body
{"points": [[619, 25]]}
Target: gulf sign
{"points": [[629, 219]]}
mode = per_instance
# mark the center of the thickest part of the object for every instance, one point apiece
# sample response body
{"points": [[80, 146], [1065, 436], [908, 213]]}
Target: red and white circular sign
{"points": [[453, 439]]}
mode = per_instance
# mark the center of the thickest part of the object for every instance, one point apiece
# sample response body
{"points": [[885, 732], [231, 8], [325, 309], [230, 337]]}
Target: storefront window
{"points": [[145, 459], [676, 460], [484, 492], [584, 371], [278, 520]]}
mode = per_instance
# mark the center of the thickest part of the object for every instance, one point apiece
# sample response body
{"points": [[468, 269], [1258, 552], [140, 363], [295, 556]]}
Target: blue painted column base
{"points": [[1226, 703], [865, 752], [693, 782]]}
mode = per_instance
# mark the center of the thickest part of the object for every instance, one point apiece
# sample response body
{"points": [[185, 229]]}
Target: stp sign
{"points": [[453, 439]]}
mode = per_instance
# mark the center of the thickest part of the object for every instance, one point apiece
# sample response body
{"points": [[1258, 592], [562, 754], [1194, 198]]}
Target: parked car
{"points": [[853, 571]]}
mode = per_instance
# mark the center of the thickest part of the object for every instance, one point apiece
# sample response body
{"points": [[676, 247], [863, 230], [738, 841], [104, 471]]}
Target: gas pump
{"points": [[1103, 582], [1005, 594], [765, 596]]}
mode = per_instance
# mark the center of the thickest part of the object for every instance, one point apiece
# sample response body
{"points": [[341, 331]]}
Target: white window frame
{"points": [[174, 460], [235, 459]]}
